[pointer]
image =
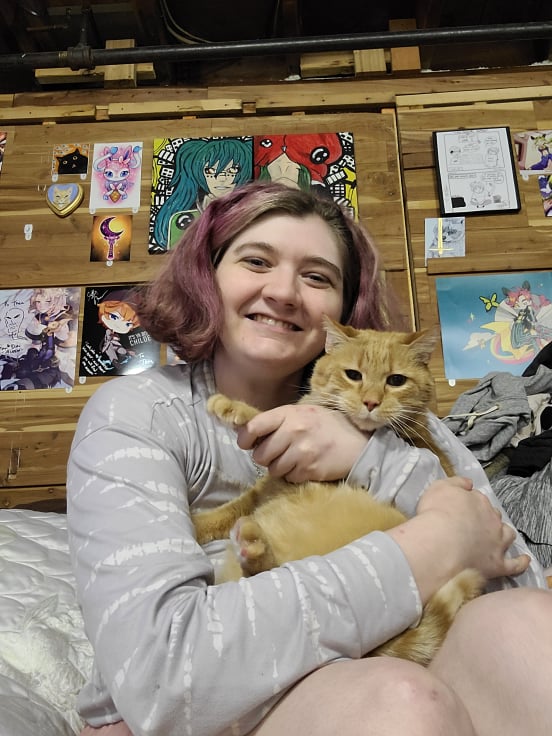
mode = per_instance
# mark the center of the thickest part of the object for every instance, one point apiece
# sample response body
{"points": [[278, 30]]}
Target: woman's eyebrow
{"points": [[308, 260]]}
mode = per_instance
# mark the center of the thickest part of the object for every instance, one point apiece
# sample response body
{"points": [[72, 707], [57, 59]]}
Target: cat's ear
{"points": [[336, 334], [422, 344]]}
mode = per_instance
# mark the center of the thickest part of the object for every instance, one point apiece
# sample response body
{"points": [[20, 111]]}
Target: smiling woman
{"points": [[241, 300]]}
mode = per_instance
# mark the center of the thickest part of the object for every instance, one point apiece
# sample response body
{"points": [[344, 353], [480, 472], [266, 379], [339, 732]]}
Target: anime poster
{"points": [[322, 162], [3, 138], [545, 188], [496, 322], [475, 171], [188, 173], [116, 176], [70, 159], [445, 237], [110, 238], [533, 152], [38, 338], [113, 342]]}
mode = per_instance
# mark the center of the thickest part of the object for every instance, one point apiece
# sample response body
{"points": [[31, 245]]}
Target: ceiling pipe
{"points": [[83, 56]]}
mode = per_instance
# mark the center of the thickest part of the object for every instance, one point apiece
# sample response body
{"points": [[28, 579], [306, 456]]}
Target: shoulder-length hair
{"points": [[182, 306]]}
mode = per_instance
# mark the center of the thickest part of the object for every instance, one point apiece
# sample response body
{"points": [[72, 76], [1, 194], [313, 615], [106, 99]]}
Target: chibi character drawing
{"points": [[118, 318], [116, 165], [204, 169]]}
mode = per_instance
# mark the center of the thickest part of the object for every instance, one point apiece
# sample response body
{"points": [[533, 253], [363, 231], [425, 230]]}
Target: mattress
{"points": [[45, 657]]}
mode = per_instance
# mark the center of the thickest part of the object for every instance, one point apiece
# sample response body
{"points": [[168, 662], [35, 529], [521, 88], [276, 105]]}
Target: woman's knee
{"points": [[505, 613], [379, 695]]}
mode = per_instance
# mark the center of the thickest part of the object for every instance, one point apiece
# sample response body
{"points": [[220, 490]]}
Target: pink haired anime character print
{"points": [[116, 176]]}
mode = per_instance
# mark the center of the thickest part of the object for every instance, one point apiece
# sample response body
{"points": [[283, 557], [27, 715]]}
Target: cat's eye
{"points": [[353, 375], [396, 379]]}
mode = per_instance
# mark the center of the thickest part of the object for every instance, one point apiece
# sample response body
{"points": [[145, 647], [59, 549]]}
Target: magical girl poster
{"points": [[188, 173], [497, 322], [38, 337], [113, 341]]}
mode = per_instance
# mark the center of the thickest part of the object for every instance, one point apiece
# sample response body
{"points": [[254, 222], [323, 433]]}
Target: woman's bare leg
{"points": [[498, 658], [379, 696]]}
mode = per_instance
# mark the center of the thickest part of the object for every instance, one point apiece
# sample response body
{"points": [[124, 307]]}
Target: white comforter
{"points": [[45, 656]]}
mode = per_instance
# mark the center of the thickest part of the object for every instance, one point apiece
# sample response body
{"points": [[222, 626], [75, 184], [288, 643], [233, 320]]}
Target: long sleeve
{"points": [[397, 472], [173, 653]]}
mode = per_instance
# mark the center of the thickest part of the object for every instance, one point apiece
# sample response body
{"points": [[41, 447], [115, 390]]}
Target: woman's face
{"points": [[277, 279]]}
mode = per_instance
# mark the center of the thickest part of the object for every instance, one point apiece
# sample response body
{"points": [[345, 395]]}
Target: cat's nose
{"points": [[371, 405]]}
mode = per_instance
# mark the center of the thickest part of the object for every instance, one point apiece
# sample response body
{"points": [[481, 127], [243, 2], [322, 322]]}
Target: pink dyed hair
{"points": [[182, 306]]}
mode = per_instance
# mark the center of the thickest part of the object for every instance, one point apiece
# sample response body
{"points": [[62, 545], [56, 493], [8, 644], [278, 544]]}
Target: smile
{"points": [[274, 322]]}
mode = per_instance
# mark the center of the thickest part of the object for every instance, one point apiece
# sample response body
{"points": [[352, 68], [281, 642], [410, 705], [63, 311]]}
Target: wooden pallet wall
{"points": [[36, 427], [392, 120], [494, 243]]}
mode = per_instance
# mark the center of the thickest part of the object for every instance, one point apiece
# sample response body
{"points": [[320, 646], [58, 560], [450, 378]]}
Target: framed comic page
{"points": [[475, 171]]}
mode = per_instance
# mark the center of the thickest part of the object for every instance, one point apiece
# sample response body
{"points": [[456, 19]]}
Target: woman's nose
{"points": [[282, 286]]}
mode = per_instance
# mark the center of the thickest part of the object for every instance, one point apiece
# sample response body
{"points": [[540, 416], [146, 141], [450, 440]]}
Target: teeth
{"points": [[274, 322]]}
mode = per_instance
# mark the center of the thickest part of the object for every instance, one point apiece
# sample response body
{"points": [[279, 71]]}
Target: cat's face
{"points": [[375, 378], [61, 197]]}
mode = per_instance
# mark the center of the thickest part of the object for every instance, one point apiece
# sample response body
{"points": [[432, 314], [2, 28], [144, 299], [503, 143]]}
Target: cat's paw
{"points": [[250, 546], [231, 412]]}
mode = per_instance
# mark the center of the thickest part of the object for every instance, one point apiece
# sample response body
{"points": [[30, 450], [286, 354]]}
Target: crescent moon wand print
{"points": [[111, 237]]}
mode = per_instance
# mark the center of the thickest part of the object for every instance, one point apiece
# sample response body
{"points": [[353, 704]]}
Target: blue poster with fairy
{"points": [[495, 322]]}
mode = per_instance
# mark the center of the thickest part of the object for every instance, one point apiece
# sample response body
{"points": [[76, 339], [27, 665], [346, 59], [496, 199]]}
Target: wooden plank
{"points": [[406, 58], [120, 75], [471, 96], [40, 498], [145, 72], [168, 109], [41, 114], [327, 64], [369, 61]]}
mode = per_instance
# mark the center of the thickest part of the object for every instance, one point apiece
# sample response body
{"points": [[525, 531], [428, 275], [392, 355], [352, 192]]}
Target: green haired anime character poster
{"points": [[493, 323], [190, 172]]}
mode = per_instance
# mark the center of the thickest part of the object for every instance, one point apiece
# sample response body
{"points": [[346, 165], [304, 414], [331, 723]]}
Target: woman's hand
{"points": [[301, 442], [476, 528]]}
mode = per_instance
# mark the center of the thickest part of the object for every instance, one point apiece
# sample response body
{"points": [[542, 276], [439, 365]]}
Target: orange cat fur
{"points": [[376, 379]]}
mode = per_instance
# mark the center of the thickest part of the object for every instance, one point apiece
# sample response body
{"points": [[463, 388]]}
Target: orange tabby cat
{"points": [[376, 379]]}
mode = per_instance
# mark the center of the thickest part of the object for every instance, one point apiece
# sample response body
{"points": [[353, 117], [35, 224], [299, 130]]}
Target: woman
{"points": [[241, 299]]}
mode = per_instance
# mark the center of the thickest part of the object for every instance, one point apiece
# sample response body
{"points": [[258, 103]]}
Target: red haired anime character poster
{"points": [[495, 322], [189, 172], [323, 162], [113, 342]]}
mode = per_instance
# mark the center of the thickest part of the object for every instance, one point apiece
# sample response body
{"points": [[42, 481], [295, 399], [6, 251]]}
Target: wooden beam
{"points": [[407, 58]]}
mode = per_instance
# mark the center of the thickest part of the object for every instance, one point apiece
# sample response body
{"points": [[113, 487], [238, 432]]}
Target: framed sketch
{"points": [[475, 171]]}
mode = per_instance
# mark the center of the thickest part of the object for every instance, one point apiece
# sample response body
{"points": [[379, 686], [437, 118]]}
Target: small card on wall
{"points": [[445, 237], [70, 159], [111, 237], [116, 176]]}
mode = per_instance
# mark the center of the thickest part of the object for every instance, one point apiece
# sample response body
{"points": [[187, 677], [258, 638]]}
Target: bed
{"points": [[45, 656]]}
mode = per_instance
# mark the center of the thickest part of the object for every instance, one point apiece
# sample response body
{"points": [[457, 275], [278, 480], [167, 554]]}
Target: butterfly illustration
{"points": [[490, 302]]}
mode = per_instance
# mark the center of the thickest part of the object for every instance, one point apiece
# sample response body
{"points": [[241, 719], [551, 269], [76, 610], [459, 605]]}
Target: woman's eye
{"points": [[255, 261], [318, 278]]}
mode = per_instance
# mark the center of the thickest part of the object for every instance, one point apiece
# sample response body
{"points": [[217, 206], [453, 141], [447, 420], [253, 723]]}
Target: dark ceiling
{"points": [[35, 27]]}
